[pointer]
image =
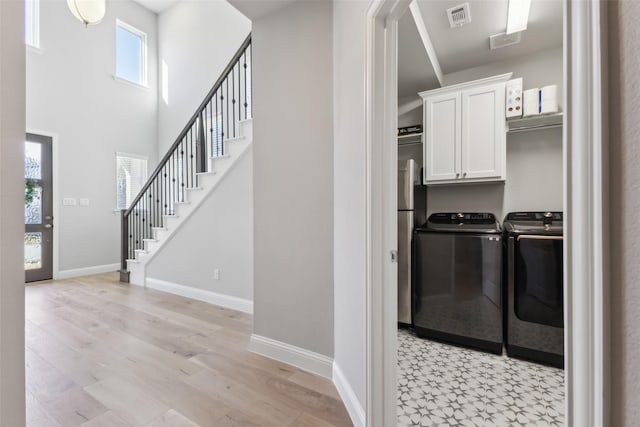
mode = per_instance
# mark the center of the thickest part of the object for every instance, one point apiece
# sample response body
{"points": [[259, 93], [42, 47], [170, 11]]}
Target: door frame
{"points": [[56, 206], [585, 159], [40, 139]]}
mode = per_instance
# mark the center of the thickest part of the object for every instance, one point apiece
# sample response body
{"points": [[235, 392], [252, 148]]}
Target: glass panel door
{"points": [[38, 209]]}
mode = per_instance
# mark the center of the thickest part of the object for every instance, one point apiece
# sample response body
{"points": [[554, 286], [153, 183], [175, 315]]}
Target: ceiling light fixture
{"points": [[518, 15], [89, 12]]}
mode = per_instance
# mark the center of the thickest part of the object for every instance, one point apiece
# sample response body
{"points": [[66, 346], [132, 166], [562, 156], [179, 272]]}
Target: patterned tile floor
{"points": [[443, 385]]}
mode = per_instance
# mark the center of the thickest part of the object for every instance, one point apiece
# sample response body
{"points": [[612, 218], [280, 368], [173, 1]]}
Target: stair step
{"points": [[224, 156], [236, 138], [133, 261], [206, 173], [152, 240], [140, 254], [170, 216], [195, 188]]}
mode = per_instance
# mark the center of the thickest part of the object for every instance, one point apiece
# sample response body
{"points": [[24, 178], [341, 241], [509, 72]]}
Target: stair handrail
{"points": [[190, 123], [197, 120]]}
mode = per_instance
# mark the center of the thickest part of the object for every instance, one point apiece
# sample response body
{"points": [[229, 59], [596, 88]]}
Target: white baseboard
{"points": [[87, 271], [226, 301], [306, 360], [348, 396]]}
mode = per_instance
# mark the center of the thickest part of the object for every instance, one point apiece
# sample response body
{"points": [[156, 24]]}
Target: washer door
{"points": [[538, 290]]}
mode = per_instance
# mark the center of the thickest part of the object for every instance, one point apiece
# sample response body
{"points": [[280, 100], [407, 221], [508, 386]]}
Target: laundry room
{"points": [[480, 221]]}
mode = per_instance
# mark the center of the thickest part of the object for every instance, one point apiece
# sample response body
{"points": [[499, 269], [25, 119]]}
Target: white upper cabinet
{"points": [[443, 138], [465, 132]]}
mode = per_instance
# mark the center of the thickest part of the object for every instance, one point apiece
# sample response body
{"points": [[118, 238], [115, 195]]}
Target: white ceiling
{"points": [[468, 46], [252, 9], [157, 6]]}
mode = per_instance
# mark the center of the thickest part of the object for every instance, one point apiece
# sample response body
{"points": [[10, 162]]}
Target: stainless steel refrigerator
{"points": [[412, 212]]}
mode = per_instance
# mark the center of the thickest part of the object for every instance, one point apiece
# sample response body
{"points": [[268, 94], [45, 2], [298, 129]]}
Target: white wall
{"points": [[349, 20], [219, 235], [71, 93], [196, 41], [534, 159], [12, 124], [293, 176]]}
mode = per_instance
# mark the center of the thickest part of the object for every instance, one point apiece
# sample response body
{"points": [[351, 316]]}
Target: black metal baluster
{"points": [[221, 122], [180, 176], [239, 94], [244, 54], [227, 110], [164, 193], [176, 193], [233, 101], [217, 125], [192, 174], [173, 199], [210, 105]]}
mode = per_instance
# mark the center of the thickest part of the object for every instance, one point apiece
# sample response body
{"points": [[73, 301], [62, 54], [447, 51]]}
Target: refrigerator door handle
{"points": [[394, 256]]}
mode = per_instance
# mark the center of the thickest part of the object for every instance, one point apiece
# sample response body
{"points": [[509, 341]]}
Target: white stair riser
{"points": [[151, 246]]}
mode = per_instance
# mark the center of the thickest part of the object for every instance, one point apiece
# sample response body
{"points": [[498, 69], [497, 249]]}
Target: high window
{"points": [[131, 54], [32, 23], [131, 174]]}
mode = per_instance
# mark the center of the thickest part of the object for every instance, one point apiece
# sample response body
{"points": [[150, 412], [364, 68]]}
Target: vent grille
{"points": [[497, 41], [459, 15]]}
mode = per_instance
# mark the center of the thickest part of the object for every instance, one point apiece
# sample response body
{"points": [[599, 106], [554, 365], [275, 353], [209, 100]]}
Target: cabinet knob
{"points": [[458, 175], [464, 174]]}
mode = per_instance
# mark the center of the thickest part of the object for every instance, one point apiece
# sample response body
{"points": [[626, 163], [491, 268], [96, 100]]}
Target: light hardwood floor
{"points": [[101, 353]]}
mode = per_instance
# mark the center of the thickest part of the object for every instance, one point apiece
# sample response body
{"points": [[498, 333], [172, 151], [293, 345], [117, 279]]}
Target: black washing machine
{"points": [[457, 292], [534, 280]]}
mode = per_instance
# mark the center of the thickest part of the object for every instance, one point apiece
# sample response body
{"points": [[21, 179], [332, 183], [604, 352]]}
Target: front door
{"points": [[38, 208]]}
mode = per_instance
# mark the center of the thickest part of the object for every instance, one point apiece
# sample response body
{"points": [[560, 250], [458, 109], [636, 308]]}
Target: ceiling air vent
{"points": [[497, 41], [459, 15]]}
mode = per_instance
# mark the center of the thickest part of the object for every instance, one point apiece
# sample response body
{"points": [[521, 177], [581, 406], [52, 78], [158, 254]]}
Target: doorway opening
{"points": [[584, 183], [38, 208], [484, 340]]}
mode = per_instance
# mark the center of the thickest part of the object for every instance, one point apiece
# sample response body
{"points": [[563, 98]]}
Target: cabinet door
{"points": [[443, 137], [483, 132]]}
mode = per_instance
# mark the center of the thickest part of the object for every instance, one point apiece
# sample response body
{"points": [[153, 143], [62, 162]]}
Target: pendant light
{"points": [[89, 12]]}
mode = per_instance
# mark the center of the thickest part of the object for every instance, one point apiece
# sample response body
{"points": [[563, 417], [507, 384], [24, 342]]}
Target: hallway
{"points": [[100, 353]]}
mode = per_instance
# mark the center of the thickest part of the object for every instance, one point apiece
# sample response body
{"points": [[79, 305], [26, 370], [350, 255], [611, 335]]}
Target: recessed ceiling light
{"points": [[518, 15]]}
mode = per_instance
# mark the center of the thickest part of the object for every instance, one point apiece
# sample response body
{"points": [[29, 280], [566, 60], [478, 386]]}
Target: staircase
{"points": [[215, 138]]}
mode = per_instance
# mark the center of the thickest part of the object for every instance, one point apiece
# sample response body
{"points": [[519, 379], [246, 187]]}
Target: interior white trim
{"points": [[226, 301], [381, 114], [586, 184], [426, 40], [478, 82], [86, 271], [301, 358], [349, 398], [586, 263]]}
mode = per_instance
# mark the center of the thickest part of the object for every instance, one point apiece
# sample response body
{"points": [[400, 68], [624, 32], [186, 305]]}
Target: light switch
{"points": [[84, 202], [69, 201]]}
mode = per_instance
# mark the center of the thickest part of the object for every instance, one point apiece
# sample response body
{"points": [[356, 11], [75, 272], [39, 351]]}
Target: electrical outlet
{"points": [[216, 274]]}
